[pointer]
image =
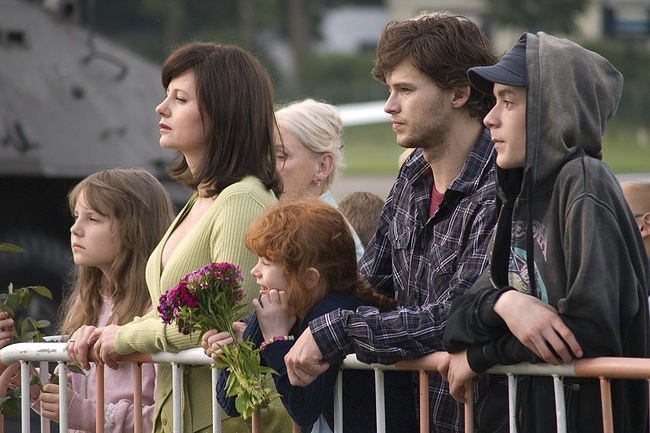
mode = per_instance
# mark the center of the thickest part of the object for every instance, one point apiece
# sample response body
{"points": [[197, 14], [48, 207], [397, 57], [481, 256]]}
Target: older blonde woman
{"points": [[309, 152]]}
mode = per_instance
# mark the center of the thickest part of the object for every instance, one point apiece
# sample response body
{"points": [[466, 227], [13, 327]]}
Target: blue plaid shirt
{"points": [[425, 262]]}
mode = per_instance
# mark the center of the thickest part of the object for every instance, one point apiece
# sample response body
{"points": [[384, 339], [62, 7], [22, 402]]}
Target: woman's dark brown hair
{"points": [[235, 97], [311, 234], [443, 47]]}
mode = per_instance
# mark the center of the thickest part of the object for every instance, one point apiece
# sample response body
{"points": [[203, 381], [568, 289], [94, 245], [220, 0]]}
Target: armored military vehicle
{"points": [[71, 103]]}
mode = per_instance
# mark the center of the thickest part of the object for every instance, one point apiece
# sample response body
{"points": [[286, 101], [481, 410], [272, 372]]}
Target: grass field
{"points": [[371, 149]]}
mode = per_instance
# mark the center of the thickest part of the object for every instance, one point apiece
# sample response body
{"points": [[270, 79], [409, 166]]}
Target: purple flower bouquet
{"points": [[209, 298]]}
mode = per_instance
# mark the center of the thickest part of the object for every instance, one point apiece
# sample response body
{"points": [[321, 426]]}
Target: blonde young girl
{"points": [[119, 217], [307, 267]]}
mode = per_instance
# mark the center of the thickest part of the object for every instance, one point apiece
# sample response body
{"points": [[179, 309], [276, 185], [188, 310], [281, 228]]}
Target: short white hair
{"points": [[318, 126]]}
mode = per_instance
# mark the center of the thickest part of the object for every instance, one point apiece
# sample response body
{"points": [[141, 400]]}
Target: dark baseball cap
{"points": [[510, 70]]}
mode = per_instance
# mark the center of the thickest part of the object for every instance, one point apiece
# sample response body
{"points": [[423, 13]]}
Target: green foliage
{"points": [[15, 301], [342, 78], [9, 406], [371, 149], [246, 381], [632, 59], [533, 15], [11, 248], [29, 329]]}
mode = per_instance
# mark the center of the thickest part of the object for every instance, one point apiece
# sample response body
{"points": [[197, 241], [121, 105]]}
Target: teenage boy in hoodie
{"points": [[567, 267]]}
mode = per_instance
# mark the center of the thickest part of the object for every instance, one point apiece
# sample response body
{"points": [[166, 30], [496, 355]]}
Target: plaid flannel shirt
{"points": [[425, 262]]}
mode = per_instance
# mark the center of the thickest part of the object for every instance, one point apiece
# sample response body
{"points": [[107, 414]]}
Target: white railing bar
{"points": [[352, 363], [33, 352], [512, 403], [216, 411], [176, 394], [24, 402], [634, 368], [194, 356], [610, 367], [560, 407], [63, 396], [44, 376], [380, 400], [338, 403], [525, 369]]}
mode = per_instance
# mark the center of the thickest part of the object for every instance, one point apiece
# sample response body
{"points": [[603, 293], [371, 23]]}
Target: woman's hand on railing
{"points": [[79, 345], [105, 345], [212, 342]]}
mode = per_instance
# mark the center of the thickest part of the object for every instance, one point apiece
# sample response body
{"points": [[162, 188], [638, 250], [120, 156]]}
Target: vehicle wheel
{"points": [[46, 261]]}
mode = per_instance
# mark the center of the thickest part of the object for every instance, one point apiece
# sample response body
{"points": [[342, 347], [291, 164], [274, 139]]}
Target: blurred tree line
{"points": [[630, 55], [154, 27]]}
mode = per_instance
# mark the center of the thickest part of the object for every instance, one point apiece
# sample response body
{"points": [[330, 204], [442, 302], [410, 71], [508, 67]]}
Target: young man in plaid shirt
{"points": [[433, 233]]}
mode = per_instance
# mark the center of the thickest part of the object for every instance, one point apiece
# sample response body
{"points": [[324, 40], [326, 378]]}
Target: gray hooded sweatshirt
{"points": [[566, 236]]}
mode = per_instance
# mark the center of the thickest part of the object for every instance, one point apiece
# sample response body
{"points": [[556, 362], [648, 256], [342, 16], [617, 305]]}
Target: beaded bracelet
{"points": [[274, 339]]}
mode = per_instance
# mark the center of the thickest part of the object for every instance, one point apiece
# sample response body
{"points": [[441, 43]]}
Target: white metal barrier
{"points": [[43, 353], [603, 369]]}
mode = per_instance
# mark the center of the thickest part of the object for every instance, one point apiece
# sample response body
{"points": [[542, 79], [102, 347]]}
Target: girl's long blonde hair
{"points": [[311, 233], [140, 211]]}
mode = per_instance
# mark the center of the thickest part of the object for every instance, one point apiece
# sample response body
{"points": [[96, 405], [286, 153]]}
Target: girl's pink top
{"points": [[118, 394]]}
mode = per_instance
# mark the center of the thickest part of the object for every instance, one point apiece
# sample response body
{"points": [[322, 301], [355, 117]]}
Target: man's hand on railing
{"points": [[304, 361], [105, 345], [538, 326], [455, 369], [79, 344]]}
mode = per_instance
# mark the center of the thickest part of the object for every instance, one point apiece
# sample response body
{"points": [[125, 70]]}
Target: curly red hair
{"points": [[311, 234]]}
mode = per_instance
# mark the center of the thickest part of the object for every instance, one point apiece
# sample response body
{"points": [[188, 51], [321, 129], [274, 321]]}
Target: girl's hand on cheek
{"points": [[272, 313]]}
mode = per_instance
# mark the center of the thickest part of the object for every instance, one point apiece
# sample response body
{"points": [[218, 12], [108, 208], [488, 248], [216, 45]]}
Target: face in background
{"points": [[91, 237], [507, 124], [269, 276], [419, 109], [298, 166], [181, 126], [637, 196]]}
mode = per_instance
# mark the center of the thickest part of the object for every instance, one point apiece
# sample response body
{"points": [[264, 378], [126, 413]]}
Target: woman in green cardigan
{"points": [[218, 115]]}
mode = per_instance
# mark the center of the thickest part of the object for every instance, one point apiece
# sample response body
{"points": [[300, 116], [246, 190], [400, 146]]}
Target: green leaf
{"points": [[9, 406], [11, 248], [40, 324], [75, 369], [41, 290], [35, 380]]}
